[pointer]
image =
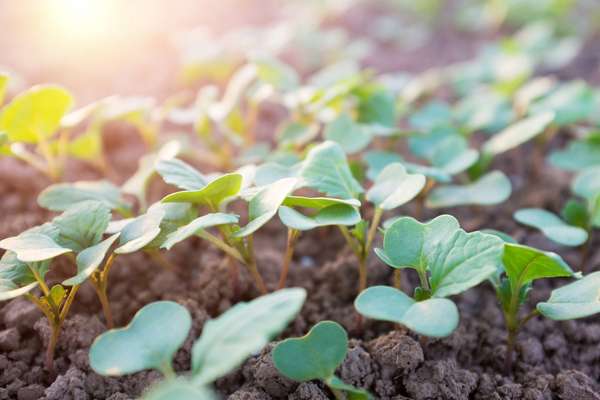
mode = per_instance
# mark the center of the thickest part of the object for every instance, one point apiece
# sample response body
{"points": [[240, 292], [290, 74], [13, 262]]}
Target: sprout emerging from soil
{"points": [[225, 343], [316, 356], [521, 266], [448, 261]]}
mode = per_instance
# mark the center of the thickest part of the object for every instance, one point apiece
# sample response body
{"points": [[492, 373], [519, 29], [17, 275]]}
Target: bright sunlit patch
{"points": [[82, 20]]}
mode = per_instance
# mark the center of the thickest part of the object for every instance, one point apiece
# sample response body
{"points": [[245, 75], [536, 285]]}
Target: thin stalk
{"points": [[220, 244], [337, 394], [423, 279], [161, 260], [103, 298], [398, 279], [53, 170], [234, 274], [372, 231], [292, 236], [39, 279], [168, 371], [349, 240], [252, 267]]}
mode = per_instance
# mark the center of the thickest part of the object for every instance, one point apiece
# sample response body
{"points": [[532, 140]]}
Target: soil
{"points": [[554, 360]]}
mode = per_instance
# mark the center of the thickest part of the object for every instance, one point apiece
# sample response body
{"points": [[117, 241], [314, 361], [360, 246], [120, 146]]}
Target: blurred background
{"points": [[98, 48]]}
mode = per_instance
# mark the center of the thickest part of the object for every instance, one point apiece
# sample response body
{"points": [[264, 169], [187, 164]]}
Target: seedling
{"points": [[522, 265], [225, 342], [492, 188], [23, 267], [33, 118], [448, 261], [552, 226], [316, 356], [579, 154], [326, 169]]}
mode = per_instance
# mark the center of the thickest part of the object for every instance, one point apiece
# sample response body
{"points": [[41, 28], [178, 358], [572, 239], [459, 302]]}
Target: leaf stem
{"points": [[103, 298], [398, 279], [161, 260], [349, 240], [292, 236], [220, 244], [167, 370], [252, 267]]}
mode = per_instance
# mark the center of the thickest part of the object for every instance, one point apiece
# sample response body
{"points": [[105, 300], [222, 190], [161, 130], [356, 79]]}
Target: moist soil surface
{"points": [[554, 360]]}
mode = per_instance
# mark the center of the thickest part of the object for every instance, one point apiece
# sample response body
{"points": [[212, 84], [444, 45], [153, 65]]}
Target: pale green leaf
{"points": [[149, 341], [395, 187], [552, 226], [326, 169], [575, 300], [33, 247], [348, 134], [82, 225], [89, 260], [180, 174], [518, 133], [61, 196], [338, 214], [352, 393], [212, 195], [432, 317], [203, 222], [141, 231], [492, 188], [241, 331]]}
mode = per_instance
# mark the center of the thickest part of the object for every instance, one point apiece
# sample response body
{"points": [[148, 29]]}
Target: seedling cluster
{"points": [[378, 160]]}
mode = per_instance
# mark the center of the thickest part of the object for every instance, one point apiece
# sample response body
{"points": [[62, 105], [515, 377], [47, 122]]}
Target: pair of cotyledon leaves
{"points": [[224, 344], [316, 356]]}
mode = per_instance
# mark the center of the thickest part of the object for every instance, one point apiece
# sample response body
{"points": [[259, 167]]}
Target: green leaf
{"points": [[551, 226], [179, 389], [395, 187], [35, 114], [296, 133], [57, 295], [575, 300], [89, 260], [212, 195], [378, 107], [149, 341], [313, 356], [377, 160], [318, 202], [576, 213], [241, 331], [524, 264], [518, 133], [264, 205], [407, 241], [338, 214], [432, 317], [587, 183], [352, 393], [82, 225], [62, 196], [87, 146], [203, 222], [141, 231], [16, 277], [9, 291], [433, 115], [276, 73], [348, 134], [326, 169], [578, 155], [492, 188], [33, 247], [271, 172], [462, 261], [178, 173]]}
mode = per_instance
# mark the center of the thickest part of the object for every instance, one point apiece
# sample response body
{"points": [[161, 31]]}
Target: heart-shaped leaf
{"points": [[149, 341], [395, 187], [178, 173], [62, 196], [524, 264], [492, 188], [326, 170], [243, 330], [179, 389], [203, 222], [140, 231], [33, 247], [264, 205], [82, 225], [212, 195], [314, 356], [575, 300], [552, 226], [518, 133], [90, 259], [348, 134], [337, 214], [35, 114], [432, 317]]}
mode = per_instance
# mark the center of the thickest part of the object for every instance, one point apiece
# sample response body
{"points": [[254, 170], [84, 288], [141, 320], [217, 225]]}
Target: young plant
{"points": [[448, 261], [316, 356], [225, 343], [520, 267], [24, 266], [34, 118], [326, 169]]}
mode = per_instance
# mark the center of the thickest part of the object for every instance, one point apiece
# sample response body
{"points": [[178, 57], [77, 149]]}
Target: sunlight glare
{"points": [[87, 20]]}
